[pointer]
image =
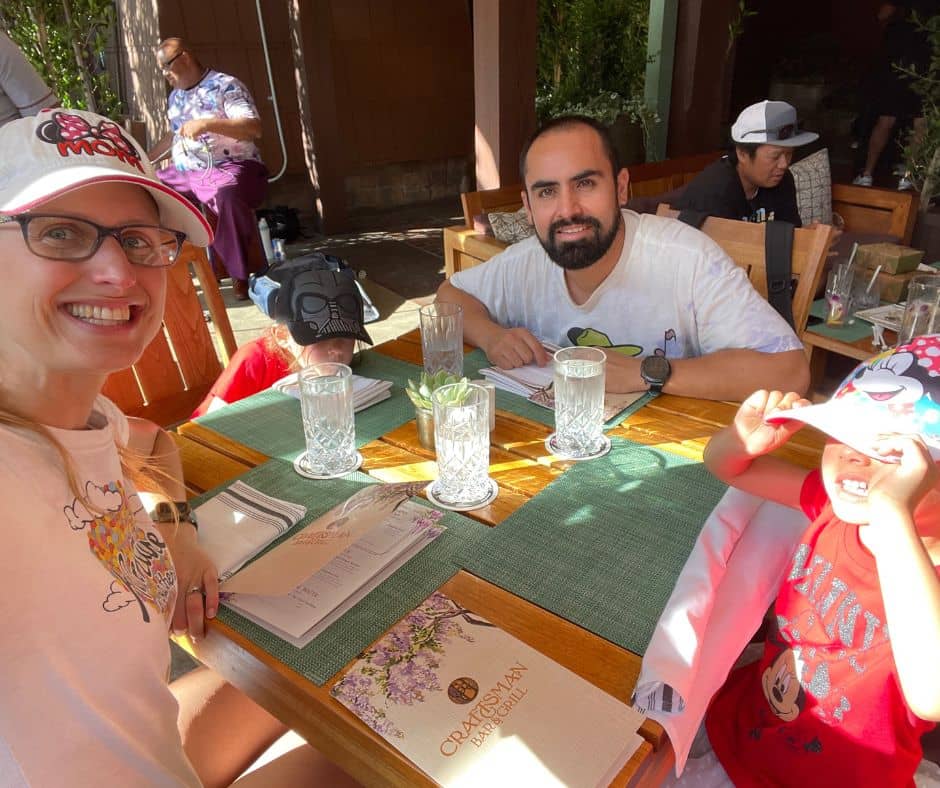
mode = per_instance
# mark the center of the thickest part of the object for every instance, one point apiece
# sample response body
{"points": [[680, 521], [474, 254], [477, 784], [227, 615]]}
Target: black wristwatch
{"points": [[655, 371], [163, 513]]}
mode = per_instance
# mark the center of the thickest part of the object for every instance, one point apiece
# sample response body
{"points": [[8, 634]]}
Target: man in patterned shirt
{"points": [[213, 127]]}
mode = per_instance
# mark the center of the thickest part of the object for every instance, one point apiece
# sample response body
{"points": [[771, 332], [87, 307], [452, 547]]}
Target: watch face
{"points": [[655, 369]]}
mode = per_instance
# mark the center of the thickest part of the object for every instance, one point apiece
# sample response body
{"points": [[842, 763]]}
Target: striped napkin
{"points": [[239, 522]]}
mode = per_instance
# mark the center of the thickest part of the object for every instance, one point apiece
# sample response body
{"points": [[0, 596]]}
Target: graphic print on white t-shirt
{"points": [[138, 557]]}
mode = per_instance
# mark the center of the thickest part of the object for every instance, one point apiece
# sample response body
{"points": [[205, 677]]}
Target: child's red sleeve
{"points": [[813, 498]]}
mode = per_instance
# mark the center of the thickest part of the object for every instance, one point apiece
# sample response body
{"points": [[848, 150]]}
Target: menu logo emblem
{"points": [[463, 690]]}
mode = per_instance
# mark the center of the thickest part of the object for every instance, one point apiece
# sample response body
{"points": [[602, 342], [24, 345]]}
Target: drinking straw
{"points": [[852, 256], [874, 276]]}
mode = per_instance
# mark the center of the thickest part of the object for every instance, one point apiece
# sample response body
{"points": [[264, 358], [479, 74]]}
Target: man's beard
{"points": [[574, 255]]}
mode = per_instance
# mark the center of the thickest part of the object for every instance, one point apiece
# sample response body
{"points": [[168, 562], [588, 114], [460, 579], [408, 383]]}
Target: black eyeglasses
{"points": [[780, 133], [69, 238], [169, 63]]}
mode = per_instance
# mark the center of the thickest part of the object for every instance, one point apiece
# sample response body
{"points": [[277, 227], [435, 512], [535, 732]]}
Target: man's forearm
{"points": [[236, 128], [159, 150], [728, 374]]}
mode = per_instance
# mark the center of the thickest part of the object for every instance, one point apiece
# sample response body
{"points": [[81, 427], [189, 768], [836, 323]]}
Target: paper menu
{"points": [[290, 563], [536, 384], [471, 705], [366, 391], [316, 602]]}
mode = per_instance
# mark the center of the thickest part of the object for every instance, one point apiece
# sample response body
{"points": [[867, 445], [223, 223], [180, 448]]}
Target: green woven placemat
{"points": [[850, 332], [475, 361], [270, 422], [404, 590], [603, 544]]}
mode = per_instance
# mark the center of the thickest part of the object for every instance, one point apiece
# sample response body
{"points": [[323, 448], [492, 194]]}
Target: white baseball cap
{"points": [[771, 123], [60, 150]]}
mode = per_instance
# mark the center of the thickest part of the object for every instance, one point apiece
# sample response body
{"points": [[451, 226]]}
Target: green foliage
{"points": [[736, 25], [922, 154], [420, 393], [65, 41], [591, 58]]}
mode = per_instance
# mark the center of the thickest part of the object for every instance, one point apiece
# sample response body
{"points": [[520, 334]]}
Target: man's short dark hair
{"points": [[569, 121], [749, 149]]}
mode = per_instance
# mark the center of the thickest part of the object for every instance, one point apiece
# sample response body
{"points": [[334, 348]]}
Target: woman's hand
{"points": [[197, 585], [756, 435]]}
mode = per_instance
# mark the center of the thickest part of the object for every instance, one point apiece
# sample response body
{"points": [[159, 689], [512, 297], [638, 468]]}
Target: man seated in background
{"points": [[214, 124], [753, 182], [669, 307]]}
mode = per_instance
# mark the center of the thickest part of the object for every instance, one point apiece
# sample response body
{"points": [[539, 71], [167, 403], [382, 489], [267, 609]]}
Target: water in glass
{"points": [[462, 444], [442, 337], [326, 403], [921, 314], [579, 400]]}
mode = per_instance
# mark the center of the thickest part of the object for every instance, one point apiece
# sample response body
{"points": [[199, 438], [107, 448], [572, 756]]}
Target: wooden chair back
{"points": [[876, 211], [507, 198], [659, 177], [179, 366], [743, 242]]}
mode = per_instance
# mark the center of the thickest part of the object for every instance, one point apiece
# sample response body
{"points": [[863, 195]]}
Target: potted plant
{"points": [[591, 58], [420, 394]]}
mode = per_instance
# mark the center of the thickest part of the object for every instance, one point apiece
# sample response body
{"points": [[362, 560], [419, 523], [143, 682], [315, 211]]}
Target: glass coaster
{"points": [[489, 498], [302, 467], [562, 455]]}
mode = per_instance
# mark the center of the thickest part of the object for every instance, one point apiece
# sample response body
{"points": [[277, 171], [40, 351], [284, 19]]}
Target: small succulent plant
{"points": [[420, 393]]}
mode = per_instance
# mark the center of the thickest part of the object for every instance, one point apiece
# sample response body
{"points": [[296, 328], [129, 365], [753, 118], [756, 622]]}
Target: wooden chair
{"points": [[179, 366], [744, 244]]}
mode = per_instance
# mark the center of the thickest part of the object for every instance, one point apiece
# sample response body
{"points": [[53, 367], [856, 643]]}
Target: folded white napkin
{"points": [[728, 582], [366, 391], [241, 521]]}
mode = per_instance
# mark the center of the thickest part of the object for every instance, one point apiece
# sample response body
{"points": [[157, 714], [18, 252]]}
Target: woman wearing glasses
{"points": [[90, 585]]}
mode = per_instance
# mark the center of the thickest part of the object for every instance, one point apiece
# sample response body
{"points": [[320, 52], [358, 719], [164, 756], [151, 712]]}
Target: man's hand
{"points": [[509, 348], [756, 436], [191, 129]]}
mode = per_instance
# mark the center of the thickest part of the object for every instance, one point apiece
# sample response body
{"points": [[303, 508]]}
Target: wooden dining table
{"points": [[522, 467]]}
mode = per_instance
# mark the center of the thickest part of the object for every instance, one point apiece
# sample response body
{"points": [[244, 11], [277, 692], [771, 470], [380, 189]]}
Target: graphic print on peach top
{"points": [[137, 557]]}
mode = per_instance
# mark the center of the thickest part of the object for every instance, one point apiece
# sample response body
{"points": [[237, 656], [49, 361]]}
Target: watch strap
{"points": [[164, 513]]}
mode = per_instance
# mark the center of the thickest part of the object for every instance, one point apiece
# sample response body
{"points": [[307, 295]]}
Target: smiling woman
{"points": [[86, 235]]}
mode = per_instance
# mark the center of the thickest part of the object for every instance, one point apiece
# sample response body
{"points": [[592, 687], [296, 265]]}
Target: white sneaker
{"points": [[905, 184], [862, 180]]}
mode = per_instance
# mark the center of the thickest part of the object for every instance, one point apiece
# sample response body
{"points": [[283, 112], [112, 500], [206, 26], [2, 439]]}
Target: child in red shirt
{"points": [[322, 319], [835, 700]]}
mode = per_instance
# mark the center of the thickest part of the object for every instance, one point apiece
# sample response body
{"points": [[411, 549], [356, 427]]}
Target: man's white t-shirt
{"points": [[22, 91], [673, 292], [85, 603]]}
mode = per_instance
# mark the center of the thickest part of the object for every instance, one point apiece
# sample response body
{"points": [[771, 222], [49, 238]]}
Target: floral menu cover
{"points": [[471, 705]]}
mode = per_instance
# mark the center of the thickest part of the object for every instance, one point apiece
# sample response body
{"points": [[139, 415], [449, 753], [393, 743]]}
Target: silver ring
{"points": [[195, 590]]}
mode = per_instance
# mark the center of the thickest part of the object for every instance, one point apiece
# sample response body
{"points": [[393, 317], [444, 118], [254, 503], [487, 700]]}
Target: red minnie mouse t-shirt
{"points": [[824, 705]]}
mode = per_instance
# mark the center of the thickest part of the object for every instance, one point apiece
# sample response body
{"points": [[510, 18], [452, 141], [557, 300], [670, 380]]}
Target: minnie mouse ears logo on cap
{"points": [[74, 135]]}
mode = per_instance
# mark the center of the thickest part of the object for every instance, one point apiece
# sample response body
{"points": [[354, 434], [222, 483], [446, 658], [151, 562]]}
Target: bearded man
{"points": [[671, 310]]}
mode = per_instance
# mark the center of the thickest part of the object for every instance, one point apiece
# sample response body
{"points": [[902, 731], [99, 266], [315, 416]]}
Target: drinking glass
{"points": [[866, 292], [839, 294], [442, 337], [462, 444], [326, 403], [579, 401], [921, 315]]}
